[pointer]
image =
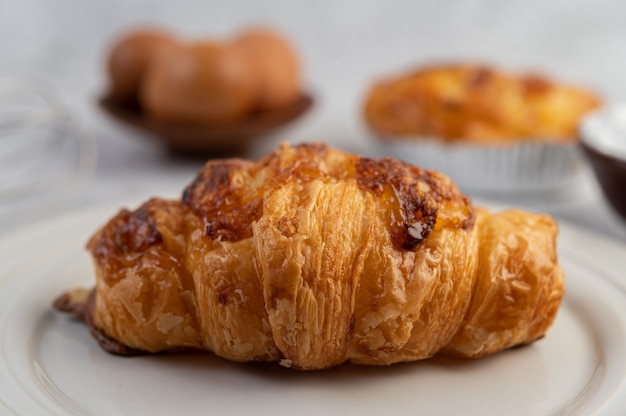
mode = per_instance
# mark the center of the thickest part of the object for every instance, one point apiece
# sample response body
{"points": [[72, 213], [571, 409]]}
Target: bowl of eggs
{"points": [[207, 96]]}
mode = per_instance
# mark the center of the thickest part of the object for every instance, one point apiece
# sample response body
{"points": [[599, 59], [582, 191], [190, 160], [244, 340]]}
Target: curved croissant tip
{"points": [[74, 301]]}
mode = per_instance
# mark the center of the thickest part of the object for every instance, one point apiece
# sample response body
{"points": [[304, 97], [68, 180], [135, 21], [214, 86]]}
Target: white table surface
{"points": [[343, 47]]}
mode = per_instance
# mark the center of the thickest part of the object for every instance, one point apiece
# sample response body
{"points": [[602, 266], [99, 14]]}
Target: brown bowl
{"points": [[607, 163], [208, 140]]}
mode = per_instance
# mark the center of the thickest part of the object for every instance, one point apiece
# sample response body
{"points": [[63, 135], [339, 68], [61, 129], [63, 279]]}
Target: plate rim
{"points": [[24, 236]]}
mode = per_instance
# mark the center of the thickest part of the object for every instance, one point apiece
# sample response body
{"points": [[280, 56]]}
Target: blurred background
{"points": [[343, 47]]}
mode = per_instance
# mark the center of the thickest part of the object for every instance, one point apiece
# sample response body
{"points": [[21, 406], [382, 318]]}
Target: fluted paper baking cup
{"points": [[526, 165]]}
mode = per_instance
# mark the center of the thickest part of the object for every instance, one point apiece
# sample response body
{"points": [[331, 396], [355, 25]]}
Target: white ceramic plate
{"points": [[50, 365]]}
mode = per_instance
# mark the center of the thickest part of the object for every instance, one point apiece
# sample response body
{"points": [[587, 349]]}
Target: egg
{"points": [[206, 82], [129, 59], [275, 67]]}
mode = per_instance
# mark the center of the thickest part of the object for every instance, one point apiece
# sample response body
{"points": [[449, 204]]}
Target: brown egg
{"points": [[129, 59], [275, 67], [202, 83]]}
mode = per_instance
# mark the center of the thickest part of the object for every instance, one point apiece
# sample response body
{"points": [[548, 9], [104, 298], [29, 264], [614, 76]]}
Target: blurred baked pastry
{"points": [[476, 103], [492, 132], [314, 257]]}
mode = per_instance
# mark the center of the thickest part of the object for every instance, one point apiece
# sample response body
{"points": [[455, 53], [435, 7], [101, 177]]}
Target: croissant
{"points": [[313, 257]]}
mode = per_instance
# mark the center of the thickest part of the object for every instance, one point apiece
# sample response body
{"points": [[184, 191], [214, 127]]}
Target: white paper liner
{"points": [[523, 166]]}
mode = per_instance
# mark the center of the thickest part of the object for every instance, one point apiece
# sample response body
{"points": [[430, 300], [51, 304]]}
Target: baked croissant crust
{"points": [[315, 257]]}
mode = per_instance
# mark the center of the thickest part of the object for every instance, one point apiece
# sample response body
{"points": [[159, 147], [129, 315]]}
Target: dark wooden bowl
{"points": [[610, 172], [602, 135], [207, 140]]}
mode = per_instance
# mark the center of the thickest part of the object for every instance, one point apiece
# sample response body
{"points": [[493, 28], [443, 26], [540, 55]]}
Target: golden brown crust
{"points": [[226, 208], [476, 103], [519, 305], [319, 257], [141, 278]]}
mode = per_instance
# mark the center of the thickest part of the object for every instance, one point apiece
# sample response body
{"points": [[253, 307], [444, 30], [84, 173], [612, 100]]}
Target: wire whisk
{"points": [[45, 153]]}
